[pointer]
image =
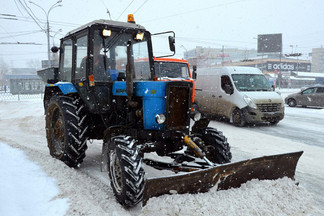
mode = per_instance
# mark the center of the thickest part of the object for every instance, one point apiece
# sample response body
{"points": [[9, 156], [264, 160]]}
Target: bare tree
{"points": [[4, 69], [34, 63]]}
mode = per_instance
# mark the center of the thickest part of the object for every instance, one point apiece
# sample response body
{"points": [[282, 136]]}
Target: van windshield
{"points": [[251, 82]]}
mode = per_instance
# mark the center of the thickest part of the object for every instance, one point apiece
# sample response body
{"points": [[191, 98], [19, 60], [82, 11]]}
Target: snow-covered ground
{"points": [[25, 187], [86, 191]]}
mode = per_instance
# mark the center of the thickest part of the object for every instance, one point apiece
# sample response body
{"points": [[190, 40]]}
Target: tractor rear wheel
{"points": [[214, 144], [125, 170], [66, 129]]}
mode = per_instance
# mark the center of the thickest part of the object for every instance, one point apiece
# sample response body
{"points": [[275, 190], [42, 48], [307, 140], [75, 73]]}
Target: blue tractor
{"points": [[100, 92]]}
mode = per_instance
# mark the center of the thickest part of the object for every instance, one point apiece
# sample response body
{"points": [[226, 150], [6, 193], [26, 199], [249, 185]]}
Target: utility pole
{"points": [[47, 31], [223, 55]]}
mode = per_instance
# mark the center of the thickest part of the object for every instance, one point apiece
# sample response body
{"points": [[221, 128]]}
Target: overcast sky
{"points": [[207, 23]]}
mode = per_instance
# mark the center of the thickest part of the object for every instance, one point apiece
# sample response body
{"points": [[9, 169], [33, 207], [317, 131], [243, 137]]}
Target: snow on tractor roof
{"points": [[108, 23]]}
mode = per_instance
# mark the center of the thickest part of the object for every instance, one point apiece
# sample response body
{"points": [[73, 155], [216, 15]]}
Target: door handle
{"points": [[220, 96], [213, 96]]}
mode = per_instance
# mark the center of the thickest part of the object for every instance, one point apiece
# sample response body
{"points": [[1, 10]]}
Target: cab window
{"points": [[66, 63], [81, 56]]}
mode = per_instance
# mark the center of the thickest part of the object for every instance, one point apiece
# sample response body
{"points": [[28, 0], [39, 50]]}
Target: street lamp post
{"points": [[60, 30], [47, 31]]}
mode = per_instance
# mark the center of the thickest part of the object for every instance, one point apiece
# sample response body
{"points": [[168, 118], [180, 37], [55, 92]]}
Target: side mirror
{"points": [[171, 43], [229, 89], [194, 73], [55, 49]]}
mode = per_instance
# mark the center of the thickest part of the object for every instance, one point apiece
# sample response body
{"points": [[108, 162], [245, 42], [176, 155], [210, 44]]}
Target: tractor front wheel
{"points": [[125, 170], [214, 144]]}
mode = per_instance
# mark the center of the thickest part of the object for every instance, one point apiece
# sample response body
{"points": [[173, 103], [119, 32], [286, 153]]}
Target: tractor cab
{"points": [[93, 56]]}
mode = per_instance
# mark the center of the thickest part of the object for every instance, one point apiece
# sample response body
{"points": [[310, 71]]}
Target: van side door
{"points": [[223, 99]]}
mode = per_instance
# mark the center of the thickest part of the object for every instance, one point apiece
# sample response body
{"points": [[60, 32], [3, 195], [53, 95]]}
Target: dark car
{"points": [[311, 96]]}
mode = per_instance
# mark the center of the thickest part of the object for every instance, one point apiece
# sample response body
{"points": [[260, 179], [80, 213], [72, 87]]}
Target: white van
{"points": [[240, 94]]}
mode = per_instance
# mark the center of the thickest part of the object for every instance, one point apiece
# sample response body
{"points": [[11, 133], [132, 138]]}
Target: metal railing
{"points": [[7, 96]]}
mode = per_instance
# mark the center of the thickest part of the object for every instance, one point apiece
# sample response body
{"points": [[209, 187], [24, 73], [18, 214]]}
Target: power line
{"points": [[125, 9], [9, 34], [28, 19], [23, 6], [18, 7], [196, 10], [32, 12], [141, 6], [108, 12], [22, 34]]}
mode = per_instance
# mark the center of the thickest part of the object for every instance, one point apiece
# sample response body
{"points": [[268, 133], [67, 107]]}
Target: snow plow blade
{"points": [[224, 177]]}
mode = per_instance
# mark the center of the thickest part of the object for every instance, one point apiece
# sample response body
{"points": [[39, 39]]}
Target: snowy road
{"points": [[89, 192], [301, 125], [304, 125]]}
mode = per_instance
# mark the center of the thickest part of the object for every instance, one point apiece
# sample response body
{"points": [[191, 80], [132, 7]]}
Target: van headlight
{"points": [[160, 118], [249, 102]]}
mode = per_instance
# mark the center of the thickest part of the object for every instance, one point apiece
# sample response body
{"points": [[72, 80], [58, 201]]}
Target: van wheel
{"points": [[275, 122], [292, 102], [238, 118]]}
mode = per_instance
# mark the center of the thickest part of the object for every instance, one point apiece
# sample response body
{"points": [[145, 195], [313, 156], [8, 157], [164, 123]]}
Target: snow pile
{"points": [[268, 197], [25, 188]]}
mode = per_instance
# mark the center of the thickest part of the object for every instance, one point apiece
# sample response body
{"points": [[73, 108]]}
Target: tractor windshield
{"points": [[110, 56], [171, 70]]}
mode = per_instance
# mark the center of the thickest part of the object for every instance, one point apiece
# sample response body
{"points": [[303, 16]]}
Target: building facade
{"points": [[318, 60], [24, 81]]}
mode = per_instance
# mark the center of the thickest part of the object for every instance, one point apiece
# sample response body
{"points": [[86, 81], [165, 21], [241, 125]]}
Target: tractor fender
{"points": [[57, 88], [64, 87]]}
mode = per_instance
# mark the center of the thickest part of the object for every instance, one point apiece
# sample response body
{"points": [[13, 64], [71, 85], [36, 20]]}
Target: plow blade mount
{"points": [[224, 177]]}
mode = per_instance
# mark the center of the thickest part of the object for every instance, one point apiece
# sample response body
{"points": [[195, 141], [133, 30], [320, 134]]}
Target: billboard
{"points": [[268, 43], [288, 66]]}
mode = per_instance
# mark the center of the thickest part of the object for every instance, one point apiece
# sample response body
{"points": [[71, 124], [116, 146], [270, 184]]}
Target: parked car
{"points": [[311, 96]]}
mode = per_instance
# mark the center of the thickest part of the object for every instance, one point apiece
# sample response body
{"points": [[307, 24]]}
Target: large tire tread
{"points": [[132, 172], [215, 145], [73, 114]]}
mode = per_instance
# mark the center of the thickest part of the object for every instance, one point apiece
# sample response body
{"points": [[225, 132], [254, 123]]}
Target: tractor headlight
{"points": [[197, 116], [106, 32], [139, 36], [160, 118], [249, 102]]}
